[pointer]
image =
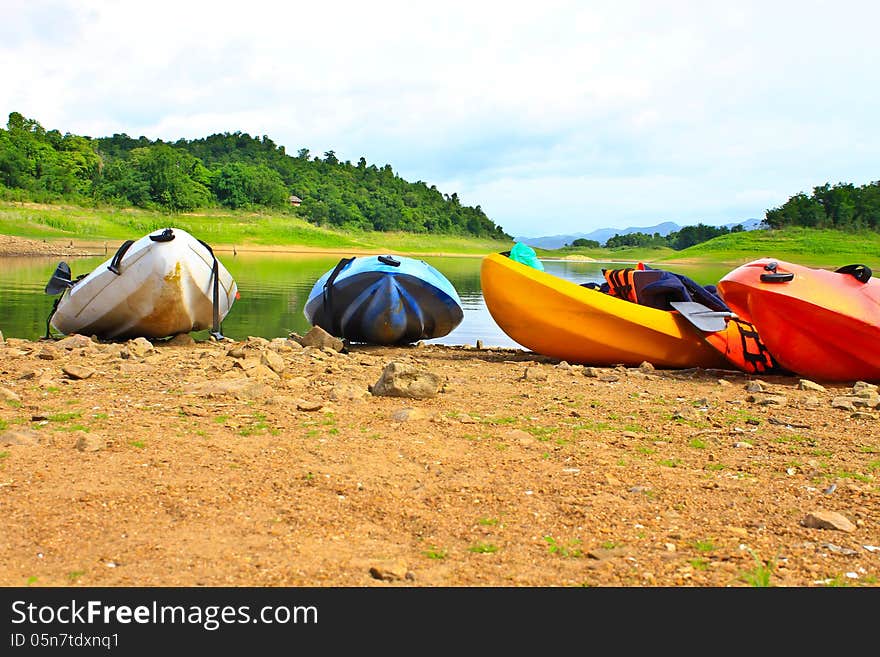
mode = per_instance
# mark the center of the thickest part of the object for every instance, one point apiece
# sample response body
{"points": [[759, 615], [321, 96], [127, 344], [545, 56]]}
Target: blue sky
{"points": [[553, 117]]}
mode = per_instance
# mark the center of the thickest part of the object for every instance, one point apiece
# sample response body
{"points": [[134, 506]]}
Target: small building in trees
{"points": [[295, 200]]}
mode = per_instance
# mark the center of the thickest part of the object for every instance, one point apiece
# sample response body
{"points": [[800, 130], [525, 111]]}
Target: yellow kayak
{"points": [[561, 319]]}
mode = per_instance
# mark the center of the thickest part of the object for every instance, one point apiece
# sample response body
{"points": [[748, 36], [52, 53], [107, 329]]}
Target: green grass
{"points": [[75, 575], [811, 247], [760, 575], [815, 247], [63, 417], [435, 553], [220, 228], [569, 550], [483, 548], [704, 546]]}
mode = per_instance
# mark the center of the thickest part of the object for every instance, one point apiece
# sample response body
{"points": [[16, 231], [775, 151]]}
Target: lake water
{"points": [[274, 289]]}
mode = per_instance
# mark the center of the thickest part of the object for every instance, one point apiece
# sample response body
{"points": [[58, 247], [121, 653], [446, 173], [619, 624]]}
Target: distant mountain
{"points": [[602, 235]]}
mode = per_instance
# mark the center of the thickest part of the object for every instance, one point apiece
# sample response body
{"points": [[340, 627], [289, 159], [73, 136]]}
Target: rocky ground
{"points": [[306, 462], [303, 462]]}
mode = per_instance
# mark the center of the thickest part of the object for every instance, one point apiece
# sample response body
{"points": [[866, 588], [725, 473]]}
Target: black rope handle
{"points": [[861, 273], [117, 257]]}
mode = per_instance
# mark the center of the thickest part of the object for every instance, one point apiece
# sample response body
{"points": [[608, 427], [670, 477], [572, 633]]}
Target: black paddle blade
{"points": [[60, 280]]}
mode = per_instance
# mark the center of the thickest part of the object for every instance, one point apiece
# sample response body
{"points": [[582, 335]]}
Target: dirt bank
{"points": [[270, 464]]}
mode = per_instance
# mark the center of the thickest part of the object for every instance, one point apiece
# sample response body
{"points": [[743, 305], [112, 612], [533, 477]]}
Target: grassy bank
{"points": [[812, 247], [219, 229]]}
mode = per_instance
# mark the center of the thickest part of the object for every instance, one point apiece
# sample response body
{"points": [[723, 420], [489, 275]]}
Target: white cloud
{"points": [[553, 117]]}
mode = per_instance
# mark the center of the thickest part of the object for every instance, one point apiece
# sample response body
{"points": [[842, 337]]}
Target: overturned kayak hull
{"points": [[817, 323], [159, 286], [384, 300], [561, 319]]}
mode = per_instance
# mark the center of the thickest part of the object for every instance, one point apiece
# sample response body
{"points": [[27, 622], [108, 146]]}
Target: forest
{"points": [[229, 170], [240, 172]]}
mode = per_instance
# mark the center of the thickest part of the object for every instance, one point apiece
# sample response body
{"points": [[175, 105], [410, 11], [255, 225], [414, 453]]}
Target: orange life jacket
{"points": [[739, 342], [621, 282]]}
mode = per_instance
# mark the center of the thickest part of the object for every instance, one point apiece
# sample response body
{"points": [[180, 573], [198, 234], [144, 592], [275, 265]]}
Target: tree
{"points": [[240, 185], [592, 244], [170, 174]]}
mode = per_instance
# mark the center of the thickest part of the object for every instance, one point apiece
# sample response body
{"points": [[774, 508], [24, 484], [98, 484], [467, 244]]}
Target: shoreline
{"points": [[11, 246]]}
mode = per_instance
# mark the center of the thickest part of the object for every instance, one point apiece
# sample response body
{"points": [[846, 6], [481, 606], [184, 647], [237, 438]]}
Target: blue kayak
{"points": [[384, 300]]}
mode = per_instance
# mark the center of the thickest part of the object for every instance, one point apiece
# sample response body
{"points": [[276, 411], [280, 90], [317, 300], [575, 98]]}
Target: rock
{"points": [[237, 352], [765, 399], [8, 395], [390, 571], [843, 403], [75, 341], [181, 340], [828, 520], [272, 360], [23, 437], [139, 347], [534, 373], [49, 353], [520, 436], [349, 392], [89, 443], [806, 384], [866, 399], [408, 414], [77, 372], [402, 380], [318, 337]]}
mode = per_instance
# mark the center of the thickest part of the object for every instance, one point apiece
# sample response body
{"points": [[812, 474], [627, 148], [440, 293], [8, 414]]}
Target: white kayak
{"points": [[165, 283]]}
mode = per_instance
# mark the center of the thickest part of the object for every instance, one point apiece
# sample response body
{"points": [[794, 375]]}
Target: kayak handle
{"points": [[777, 278], [774, 276], [389, 260], [862, 273]]}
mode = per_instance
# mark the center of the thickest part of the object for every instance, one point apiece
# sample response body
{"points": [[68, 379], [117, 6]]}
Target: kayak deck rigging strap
{"points": [[215, 300], [335, 329]]}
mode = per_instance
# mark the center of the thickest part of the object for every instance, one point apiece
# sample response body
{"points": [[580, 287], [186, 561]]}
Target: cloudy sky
{"points": [[554, 117]]}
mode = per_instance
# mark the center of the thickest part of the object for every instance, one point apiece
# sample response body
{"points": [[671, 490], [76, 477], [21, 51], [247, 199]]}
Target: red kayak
{"points": [[818, 323]]}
